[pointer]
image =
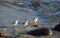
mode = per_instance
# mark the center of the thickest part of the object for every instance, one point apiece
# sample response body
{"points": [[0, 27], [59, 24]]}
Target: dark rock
{"points": [[57, 27], [40, 32]]}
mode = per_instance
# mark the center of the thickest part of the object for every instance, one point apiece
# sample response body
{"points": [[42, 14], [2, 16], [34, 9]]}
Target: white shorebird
{"points": [[15, 22], [36, 19], [35, 24], [26, 24]]}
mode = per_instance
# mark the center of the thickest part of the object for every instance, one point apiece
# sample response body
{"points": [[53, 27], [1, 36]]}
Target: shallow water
{"points": [[11, 12]]}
